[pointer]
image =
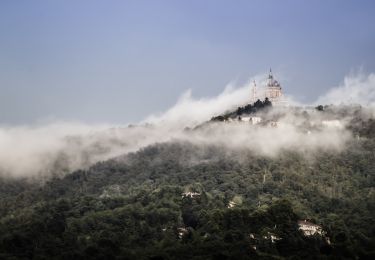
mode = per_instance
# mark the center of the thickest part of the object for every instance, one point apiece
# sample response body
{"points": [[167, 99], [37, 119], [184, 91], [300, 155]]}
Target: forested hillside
{"points": [[189, 200]]}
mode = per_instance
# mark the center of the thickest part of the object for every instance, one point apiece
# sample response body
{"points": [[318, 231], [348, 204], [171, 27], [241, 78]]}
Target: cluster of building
{"points": [[251, 119], [254, 120], [308, 229]]}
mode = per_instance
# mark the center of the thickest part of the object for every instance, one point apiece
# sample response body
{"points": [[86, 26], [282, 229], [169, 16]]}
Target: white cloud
{"points": [[62, 147], [189, 110], [356, 89]]}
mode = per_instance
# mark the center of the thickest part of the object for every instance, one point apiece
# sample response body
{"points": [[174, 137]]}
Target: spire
{"points": [[270, 76]]}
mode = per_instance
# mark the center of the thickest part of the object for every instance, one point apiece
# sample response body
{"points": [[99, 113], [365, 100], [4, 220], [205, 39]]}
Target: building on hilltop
{"points": [[272, 91]]}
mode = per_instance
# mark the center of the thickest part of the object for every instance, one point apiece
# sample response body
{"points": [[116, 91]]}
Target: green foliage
{"points": [[134, 207], [248, 109]]}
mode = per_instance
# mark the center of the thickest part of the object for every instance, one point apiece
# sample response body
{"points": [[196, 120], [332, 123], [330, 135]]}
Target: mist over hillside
{"points": [[58, 148], [211, 178], [187, 130], [207, 197]]}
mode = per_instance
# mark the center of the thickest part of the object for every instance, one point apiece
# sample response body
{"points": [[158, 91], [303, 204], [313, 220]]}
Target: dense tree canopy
{"points": [[172, 201]]}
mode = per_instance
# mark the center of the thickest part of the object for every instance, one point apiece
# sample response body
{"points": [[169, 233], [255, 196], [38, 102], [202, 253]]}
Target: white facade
{"points": [[245, 118], [255, 120], [272, 237], [182, 232], [190, 194], [231, 204], [251, 119], [336, 124], [309, 228], [272, 91]]}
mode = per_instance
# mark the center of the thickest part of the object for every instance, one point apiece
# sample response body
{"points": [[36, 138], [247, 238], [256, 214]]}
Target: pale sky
{"points": [[119, 61]]}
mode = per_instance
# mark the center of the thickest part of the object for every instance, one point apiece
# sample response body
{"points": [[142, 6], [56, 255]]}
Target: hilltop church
{"points": [[272, 91]]}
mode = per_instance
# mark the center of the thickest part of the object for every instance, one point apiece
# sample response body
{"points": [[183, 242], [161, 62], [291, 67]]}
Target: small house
{"points": [[308, 228]]}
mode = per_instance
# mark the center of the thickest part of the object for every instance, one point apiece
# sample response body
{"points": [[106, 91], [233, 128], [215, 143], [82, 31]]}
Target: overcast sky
{"points": [[119, 61]]}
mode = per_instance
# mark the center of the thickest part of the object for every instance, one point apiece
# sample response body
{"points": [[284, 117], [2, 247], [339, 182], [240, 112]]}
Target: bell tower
{"points": [[254, 92]]}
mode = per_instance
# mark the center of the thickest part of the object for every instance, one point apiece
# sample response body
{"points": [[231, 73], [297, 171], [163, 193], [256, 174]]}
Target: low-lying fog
{"points": [[61, 147]]}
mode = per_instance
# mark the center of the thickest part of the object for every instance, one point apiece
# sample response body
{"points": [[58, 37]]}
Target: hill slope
{"points": [[193, 200]]}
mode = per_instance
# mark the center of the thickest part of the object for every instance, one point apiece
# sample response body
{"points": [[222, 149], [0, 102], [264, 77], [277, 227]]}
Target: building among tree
{"points": [[308, 228]]}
